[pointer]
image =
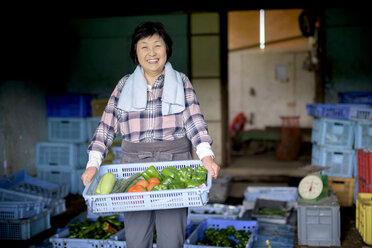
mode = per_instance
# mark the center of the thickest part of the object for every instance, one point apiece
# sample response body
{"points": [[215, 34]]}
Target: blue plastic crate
{"points": [[217, 224], [355, 97], [341, 111], [363, 134], [340, 160], [25, 228], [21, 182], [69, 105], [332, 132]]}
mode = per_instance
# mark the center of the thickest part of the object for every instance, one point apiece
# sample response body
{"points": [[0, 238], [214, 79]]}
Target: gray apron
{"points": [[170, 223]]}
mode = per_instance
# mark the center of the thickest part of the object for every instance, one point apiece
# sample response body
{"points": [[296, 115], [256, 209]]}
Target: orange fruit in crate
{"points": [[149, 187], [137, 188], [154, 180], [143, 183]]}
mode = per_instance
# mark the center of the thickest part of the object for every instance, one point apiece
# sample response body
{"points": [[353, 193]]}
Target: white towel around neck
{"points": [[133, 96]]}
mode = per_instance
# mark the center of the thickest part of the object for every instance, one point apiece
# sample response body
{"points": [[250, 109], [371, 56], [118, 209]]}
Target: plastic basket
{"points": [[340, 160], [277, 219], [16, 205], [213, 211], [355, 97], [344, 189], [331, 132], [69, 105], [252, 193], [61, 239], [25, 228], [217, 224], [280, 235], [73, 130], [55, 154], [318, 224], [364, 171], [136, 201], [340, 111], [62, 176], [363, 134], [21, 182], [363, 218]]}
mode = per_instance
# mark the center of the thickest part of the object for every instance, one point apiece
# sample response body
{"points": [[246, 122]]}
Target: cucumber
{"points": [[118, 185]]}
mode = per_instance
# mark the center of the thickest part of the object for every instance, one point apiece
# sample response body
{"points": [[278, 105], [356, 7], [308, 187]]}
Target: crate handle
{"points": [[65, 122], [53, 164], [339, 182]]}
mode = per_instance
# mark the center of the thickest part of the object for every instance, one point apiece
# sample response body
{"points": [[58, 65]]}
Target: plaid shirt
{"points": [[149, 125]]}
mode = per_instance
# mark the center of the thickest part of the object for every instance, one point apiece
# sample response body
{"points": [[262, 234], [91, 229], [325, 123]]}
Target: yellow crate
{"points": [[363, 218], [98, 106], [344, 189]]}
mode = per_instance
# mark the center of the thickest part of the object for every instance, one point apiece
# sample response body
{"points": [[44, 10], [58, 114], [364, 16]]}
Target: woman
{"points": [[157, 113]]}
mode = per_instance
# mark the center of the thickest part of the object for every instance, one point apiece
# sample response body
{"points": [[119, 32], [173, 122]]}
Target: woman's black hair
{"points": [[149, 29]]}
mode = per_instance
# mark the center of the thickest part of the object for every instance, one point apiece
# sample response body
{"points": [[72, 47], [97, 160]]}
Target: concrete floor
{"points": [[265, 170]]}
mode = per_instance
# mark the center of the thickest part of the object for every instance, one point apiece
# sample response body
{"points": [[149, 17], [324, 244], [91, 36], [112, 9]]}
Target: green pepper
{"points": [[184, 174], [172, 169], [167, 180], [167, 173], [176, 185], [159, 187], [200, 169], [192, 183], [151, 172], [198, 176]]}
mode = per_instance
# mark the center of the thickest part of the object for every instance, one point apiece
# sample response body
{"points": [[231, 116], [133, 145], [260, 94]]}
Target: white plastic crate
{"points": [[56, 154], [363, 134], [318, 224], [72, 130], [218, 224], [214, 211], [341, 161], [151, 200], [16, 205], [69, 178], [25, 228], [61, 240], [252, 193], [21, 182], [332, 132]]}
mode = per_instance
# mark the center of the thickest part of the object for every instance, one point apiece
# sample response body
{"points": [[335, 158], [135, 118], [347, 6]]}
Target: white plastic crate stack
{"points": [[62, 159], [339, 130]]}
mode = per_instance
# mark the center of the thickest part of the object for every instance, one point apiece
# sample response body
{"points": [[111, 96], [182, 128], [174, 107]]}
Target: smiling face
{"points": [[152, 55]]}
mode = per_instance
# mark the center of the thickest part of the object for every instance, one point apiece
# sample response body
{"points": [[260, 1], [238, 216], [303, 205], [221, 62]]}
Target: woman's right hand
{"points": [[88, 174]]}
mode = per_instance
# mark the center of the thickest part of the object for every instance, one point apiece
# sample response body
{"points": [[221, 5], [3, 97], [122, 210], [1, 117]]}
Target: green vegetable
{"points": [[200, 169], [192, 183], [151, 172], [121, 185], [184, 174], [167, 180], [225, 237], [103, 228], [168, 173], [198, 176], [159, 187], [176, 185], [271, 211], [105, 184]]}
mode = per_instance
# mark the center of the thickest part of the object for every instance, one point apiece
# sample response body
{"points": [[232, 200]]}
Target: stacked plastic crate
{"points": [[63, 157], [339, 130], [26, 205]]}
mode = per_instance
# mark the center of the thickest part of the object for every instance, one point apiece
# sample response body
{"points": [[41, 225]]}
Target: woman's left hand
{"points": [[212, 167]]}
